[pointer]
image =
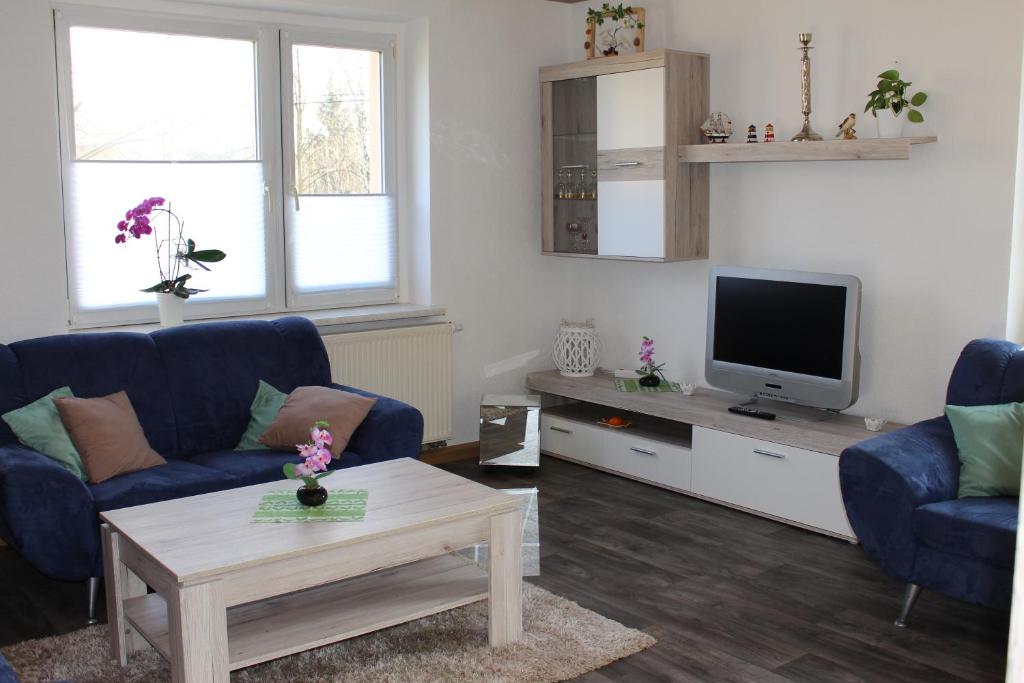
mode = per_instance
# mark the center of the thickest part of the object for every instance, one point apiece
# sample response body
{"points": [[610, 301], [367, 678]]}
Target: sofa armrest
{"points": [[392, 430], [885, 479], [47, 514]]}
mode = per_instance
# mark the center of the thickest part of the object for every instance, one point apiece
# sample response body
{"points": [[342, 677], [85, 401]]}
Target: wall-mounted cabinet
{"points": [[613, 186]]}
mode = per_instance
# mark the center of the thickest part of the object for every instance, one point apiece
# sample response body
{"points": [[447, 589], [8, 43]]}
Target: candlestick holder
{"points": [[806, 133]]}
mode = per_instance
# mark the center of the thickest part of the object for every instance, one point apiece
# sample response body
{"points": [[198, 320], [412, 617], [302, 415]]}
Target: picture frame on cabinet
{"points": [[613, 31]]}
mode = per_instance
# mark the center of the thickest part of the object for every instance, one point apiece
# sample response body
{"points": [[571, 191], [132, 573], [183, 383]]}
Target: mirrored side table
{"points": [[510, 430]]}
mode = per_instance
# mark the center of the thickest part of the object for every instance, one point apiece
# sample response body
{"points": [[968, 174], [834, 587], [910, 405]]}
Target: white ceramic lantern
{"points": [[577, 349]]}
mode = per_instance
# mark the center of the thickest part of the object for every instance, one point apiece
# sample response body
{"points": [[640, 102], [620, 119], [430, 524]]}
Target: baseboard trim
{"points": [[462, 451]]}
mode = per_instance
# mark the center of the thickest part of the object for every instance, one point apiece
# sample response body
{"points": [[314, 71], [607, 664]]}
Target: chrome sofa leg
{"points": [[910, 596], [94, 591]]}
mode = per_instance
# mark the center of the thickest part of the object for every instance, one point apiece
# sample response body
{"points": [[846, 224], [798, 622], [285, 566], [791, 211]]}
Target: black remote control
{"points": [[752, 412]]}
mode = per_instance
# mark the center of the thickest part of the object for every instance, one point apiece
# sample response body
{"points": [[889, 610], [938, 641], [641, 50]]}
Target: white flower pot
{"points": [[889, 124], [172, 309]]}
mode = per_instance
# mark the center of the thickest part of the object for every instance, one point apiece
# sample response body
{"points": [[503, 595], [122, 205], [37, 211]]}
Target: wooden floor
{"points": [[729, 596], [734, 597]]}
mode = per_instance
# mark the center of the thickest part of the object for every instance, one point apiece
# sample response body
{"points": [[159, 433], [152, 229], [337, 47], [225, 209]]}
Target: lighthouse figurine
{"points": [[751, 133], [769, 132]]}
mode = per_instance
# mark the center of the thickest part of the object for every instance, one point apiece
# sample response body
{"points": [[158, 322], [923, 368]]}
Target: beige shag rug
{"points": [[562, 640]]}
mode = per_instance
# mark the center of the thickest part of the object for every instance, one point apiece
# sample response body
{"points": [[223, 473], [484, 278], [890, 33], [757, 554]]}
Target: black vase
{"points": [[649, 381], [312, 497]]}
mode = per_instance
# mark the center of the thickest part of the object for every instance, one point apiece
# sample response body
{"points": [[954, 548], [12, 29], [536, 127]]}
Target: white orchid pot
{"points": [[577, 349], [890, 125], [172, 309]]}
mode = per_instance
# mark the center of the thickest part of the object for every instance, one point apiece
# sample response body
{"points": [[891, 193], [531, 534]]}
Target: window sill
{"points": [[360, 316]]}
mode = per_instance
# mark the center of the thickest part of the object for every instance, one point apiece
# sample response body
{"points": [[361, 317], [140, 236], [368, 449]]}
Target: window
{"points": [[340, 179], [274, 145]]}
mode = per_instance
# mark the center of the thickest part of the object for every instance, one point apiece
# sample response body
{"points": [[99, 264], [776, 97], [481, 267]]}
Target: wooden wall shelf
{"points": [[825, 150]]}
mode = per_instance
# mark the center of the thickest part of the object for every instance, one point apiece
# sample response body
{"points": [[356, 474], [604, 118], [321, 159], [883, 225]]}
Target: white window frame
{"points": [[273, 91], [385, 44]]}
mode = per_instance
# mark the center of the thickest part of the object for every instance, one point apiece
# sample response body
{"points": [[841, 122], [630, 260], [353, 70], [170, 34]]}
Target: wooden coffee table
{"points": [[231, 593]]}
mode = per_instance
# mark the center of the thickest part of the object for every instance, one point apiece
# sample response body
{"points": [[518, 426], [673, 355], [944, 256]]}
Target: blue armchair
{"points": [[191, 387], [900, 491]]}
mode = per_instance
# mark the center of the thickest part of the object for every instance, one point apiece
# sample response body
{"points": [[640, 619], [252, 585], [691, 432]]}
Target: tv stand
{"points": [[790, 411], [783, 469]]}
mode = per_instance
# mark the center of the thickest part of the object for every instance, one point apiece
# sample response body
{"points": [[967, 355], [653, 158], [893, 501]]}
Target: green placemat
{"points": [[343, 505], [634, 385]]}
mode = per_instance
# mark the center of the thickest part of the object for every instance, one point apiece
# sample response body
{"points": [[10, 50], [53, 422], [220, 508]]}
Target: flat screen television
{"points": [[784, 335]]}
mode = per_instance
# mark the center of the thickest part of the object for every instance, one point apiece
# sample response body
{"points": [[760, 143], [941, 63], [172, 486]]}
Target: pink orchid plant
{"points": [[172, 252], [647, 358], [317, 454]]}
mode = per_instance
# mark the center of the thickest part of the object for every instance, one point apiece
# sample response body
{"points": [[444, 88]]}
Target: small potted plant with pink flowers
{"points": [[650, 372], [173, 252], [317, 454]]}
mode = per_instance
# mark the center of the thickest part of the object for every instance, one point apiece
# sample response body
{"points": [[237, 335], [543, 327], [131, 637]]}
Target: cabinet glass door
{"points": [[574, 132]]}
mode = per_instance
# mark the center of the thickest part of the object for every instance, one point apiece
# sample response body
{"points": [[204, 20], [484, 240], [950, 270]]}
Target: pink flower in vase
{"points": [[647, 351], [317, 456], [321, 437]]}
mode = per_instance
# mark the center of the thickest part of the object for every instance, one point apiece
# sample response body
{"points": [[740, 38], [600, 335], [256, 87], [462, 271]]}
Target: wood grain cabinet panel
{"points": [[626, 117]]}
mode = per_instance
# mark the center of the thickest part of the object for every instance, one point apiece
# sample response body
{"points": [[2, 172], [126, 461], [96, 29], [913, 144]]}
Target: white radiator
{"points": [[411, 364]]}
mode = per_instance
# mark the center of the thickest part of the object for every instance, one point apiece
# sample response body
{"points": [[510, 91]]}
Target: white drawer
{"points": [[617, 451], [787, 482], [559, 436]]}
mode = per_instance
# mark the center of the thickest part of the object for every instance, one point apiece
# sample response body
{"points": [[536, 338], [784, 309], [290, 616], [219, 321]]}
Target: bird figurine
{"points": [[846, 128]]}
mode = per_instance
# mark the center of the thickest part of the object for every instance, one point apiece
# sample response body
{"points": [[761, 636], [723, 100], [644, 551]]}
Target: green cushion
{"points": [[39, 427], [263, 410], [990, 441]]}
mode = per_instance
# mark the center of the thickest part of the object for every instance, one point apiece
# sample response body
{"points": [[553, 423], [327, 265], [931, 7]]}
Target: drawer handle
{"points": [[563, 430], [627, 164], [637, 449], [770, 454]]}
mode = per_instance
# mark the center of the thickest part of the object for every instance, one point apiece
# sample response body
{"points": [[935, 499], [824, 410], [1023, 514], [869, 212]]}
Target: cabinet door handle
{"points": [[563, 430], [625, 164], [770, 454], [637, 449]]}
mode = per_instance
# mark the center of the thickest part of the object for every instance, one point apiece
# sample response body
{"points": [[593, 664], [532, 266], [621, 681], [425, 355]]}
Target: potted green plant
{"points": [[888, 102]]}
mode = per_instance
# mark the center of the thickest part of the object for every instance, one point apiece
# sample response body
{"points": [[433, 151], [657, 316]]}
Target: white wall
{"points": [[929, 237], [480, 202]]}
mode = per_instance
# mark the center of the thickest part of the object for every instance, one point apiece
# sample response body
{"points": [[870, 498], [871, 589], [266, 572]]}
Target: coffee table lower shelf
{"points": [[286, 624]]}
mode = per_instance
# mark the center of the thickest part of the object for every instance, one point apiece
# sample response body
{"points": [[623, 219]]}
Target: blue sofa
{"points": [[900, 491], [6, 672], [191, 387]]}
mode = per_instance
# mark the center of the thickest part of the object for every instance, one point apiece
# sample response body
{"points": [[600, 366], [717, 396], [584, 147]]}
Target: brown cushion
{"points": [[342, 410], [107, 434]]}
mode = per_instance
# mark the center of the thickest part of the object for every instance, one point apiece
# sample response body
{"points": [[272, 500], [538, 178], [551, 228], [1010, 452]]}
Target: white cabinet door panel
{"points": [[631, 218], [788, 482], [631, 109]]}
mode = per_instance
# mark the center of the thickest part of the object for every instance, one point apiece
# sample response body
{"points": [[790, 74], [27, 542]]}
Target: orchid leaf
{"points": [[206, 255]]}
